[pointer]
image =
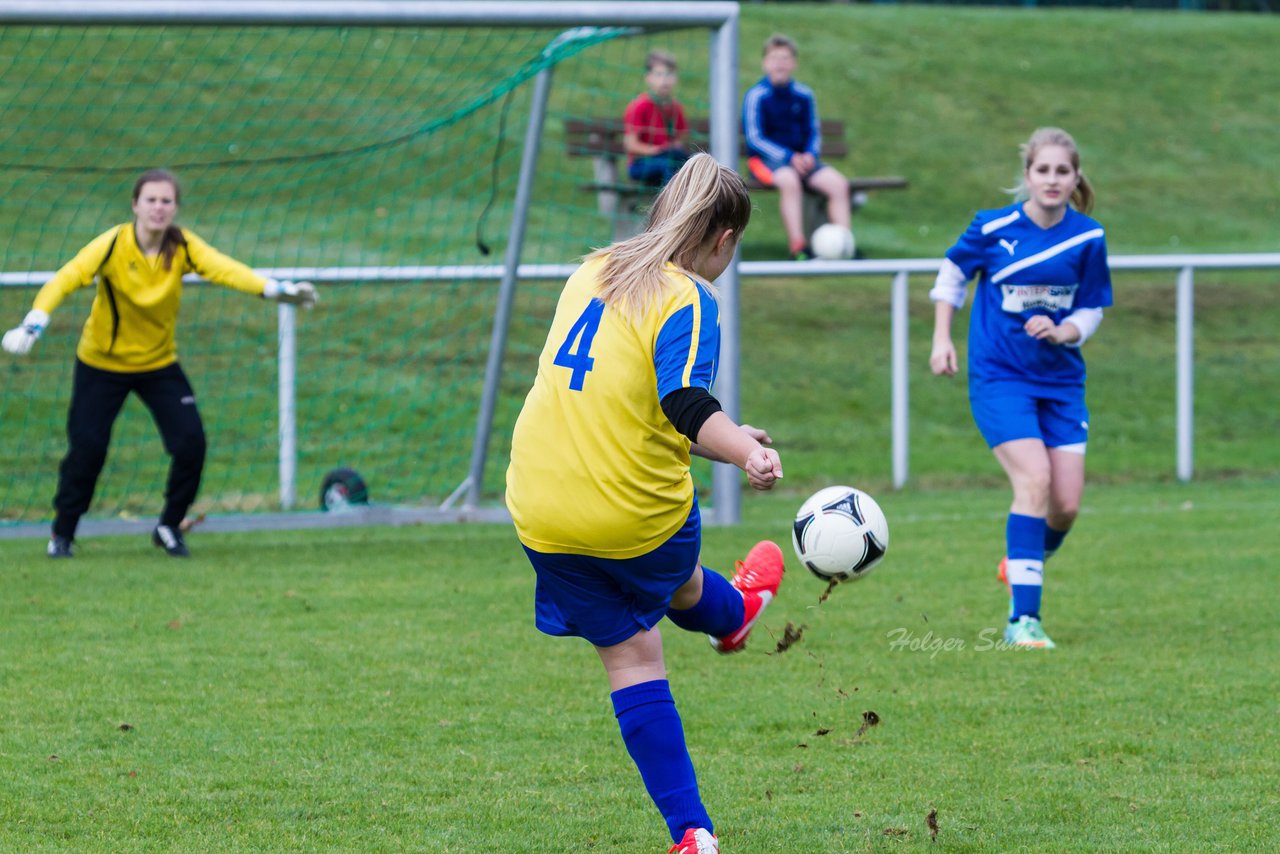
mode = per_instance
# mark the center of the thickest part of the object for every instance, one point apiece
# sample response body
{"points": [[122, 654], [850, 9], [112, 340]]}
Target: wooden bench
{"points": [[625, 201]]}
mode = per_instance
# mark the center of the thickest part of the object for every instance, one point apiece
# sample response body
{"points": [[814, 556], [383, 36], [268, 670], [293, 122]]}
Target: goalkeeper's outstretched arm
{"points": [[224, 270], [77, 273]]}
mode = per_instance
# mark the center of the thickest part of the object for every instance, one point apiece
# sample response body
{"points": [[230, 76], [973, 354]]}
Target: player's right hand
{"points": [[21, 339], [943, 358]]}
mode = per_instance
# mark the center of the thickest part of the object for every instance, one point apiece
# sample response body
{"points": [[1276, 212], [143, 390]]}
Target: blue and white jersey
{"points": [[1026, 270]]}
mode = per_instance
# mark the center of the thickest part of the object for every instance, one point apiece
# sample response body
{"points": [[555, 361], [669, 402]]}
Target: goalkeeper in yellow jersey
{"points": [[599, 486], [128, 346]]}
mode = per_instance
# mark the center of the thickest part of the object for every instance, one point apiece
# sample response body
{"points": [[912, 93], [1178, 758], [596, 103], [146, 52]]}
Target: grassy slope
{"points": [[1171, 112], [1167, 110]]}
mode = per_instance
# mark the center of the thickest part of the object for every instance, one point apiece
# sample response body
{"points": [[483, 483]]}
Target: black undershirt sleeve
{"points": [[688, 409]]}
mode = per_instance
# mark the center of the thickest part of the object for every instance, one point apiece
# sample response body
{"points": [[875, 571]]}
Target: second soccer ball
{"points": [[832, 242], [343, 489]]}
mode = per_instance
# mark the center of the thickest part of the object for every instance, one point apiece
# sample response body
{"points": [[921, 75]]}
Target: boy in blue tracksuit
{"points": [[784, 139]]}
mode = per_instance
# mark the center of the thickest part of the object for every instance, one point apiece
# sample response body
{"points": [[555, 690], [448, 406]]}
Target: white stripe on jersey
{"points": [[751, 127], [989, 227], [815, 125], [1051, 252]]}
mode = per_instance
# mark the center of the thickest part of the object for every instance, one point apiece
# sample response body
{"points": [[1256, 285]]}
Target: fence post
{"points": [[726, 483], [287, 362], [1186, 370], [898, 322]]}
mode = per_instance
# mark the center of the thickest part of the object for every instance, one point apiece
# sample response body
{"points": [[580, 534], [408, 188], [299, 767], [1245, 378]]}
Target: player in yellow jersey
{"points": [[599, 485], [128, 346]]}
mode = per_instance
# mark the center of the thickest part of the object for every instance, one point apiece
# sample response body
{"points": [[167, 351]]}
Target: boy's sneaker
{"points": [[59, 547], [170, 539], [757, 578], [1028, 634], [805, 254], [697, 840]]}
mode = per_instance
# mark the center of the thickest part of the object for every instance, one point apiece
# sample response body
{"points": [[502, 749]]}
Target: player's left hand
{"points": [[763, 468], [756, 433], [1043, 328], [293, 293]]}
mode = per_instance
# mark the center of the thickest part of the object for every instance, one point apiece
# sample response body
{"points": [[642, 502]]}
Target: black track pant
{"points": [[96, 399]]}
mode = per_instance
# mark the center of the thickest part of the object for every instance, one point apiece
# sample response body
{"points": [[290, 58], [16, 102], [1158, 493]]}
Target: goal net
{"points": [[381, 159]]}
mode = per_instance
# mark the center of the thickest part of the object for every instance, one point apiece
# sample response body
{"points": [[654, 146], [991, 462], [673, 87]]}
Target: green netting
{"points": [[302, 147]]}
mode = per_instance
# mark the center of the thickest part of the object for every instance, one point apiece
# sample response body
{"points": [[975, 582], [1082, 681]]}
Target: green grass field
{"points": [[385, 690]]}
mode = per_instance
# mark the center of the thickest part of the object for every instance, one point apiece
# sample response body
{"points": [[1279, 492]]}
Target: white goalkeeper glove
{"points": [[20, 339], [294, 293]]}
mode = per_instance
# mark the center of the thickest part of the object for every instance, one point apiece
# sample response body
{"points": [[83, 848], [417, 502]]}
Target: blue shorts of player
{"points": [[1056, 416], [607, 601]]}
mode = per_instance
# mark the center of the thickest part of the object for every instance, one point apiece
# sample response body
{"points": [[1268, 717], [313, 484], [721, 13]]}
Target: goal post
{"points": [[378, 148]]}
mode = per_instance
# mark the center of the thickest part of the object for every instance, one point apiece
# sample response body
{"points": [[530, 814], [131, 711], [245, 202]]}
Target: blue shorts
{"points": [[607, 601], [1058, 418]]}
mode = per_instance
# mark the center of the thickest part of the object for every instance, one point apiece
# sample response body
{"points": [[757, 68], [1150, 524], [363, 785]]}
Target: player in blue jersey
{"points": [[784, 138], [1043, 282], [599, 485]]}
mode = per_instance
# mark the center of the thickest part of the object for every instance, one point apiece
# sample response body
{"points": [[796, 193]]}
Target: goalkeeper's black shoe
{"points": [[170, 539], [59, 547]]}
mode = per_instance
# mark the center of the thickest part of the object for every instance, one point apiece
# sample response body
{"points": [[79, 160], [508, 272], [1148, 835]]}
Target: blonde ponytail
{"points": [[701, 201]]}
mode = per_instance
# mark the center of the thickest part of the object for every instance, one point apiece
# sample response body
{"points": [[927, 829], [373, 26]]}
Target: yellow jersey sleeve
{"points": [[77, 273], [221, 269]]}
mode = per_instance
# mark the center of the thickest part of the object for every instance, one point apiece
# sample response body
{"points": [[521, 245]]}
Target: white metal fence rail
{"points": [[1185, 265], [899, 269]]}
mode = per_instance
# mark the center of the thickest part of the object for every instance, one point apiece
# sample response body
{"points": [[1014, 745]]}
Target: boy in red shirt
{"points": [[655, 131]]}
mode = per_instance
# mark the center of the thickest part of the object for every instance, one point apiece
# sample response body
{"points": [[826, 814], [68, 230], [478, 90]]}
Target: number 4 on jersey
{"points": [[575, 352]]}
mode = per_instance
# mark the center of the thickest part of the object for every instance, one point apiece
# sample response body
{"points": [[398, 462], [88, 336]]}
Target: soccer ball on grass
{"points": [[840, 533], [832, 242]]}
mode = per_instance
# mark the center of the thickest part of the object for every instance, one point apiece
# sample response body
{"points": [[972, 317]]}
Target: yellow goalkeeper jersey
{"points": [[131, 325], [596, 467]]}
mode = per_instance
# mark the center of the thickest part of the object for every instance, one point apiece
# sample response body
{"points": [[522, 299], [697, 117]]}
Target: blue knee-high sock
{"points": [[719, 612], [654, 736], [1024, 540], [1053, 540]]}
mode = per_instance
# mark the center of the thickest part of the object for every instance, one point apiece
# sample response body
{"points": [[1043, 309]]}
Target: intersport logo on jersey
{"points": [[1020, 298]]}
